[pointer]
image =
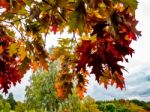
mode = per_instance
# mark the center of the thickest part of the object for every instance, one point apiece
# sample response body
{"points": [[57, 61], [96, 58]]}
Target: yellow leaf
{"points": [[21, 29], [102, 5], [1, 49], [97, 14], [13, 49], [119, 6], [85, 37], [22, 53], [93, 38]]}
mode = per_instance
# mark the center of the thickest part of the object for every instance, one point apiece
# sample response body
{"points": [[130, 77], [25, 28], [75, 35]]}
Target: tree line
{"points": [[73, 104]]}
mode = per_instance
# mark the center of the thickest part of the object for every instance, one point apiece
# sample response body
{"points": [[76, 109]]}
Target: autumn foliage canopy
{"points": [[102, 31]]}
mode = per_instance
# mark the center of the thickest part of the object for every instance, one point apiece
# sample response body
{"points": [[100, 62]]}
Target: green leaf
{"points": [[102, 5], [24, 65], [22, 11], [132, 3], [72, 0], [11, 33], [13, 49], [28, 2], [76, 22], [81, 27], [61, 3], [8, 15], [73, 21]]}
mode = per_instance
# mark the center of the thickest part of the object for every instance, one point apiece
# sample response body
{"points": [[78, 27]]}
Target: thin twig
{"points": [[74, 37], [45, 37], [62, 16], [57, 10]]}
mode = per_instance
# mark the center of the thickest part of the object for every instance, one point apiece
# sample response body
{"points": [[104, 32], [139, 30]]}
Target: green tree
{"points": [[71, 104], [1, 105], [89, 105], [123, 109], [110, 107], [1, 102], [147, 106], [7, 107], [137, 102], [74, 104], [11, 101], [1, 97], [101, 107], [41, 93], [20, 107]]}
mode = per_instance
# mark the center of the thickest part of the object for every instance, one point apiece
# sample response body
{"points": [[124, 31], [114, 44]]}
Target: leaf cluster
{"points": [[105, 30]]}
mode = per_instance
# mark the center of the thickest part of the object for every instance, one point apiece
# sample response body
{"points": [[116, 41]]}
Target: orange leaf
{"points": [[4, 4], [60, 92], [81, 90], [1, 49], [57, 85], [43, 63]]}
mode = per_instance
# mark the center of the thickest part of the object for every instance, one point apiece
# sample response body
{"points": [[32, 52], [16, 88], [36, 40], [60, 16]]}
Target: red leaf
{"points": [[84, 53], [9, 69], [119, 81], [99, 29], [54, 28], [85, 46]]}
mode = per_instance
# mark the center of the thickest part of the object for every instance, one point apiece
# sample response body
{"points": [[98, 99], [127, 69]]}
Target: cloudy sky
{"points": [[138, 76]]}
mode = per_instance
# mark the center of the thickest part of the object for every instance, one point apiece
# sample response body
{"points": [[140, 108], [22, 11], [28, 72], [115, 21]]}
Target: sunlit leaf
{"points": [[22, 52], [13, 48]]}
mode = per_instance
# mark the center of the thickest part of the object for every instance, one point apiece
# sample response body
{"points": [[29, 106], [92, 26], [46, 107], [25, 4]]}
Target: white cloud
{"points": [[142, 45]]}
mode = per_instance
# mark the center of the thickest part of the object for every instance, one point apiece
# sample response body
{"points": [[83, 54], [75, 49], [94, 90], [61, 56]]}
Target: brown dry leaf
{"points": [[43, 63]]}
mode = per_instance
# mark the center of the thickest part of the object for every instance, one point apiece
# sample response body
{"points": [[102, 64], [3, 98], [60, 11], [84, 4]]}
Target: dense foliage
{"points": [[123, 106], [105, 30]]}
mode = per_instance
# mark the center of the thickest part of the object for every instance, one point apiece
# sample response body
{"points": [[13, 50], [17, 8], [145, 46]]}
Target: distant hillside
{"points": [[123, 106]]}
